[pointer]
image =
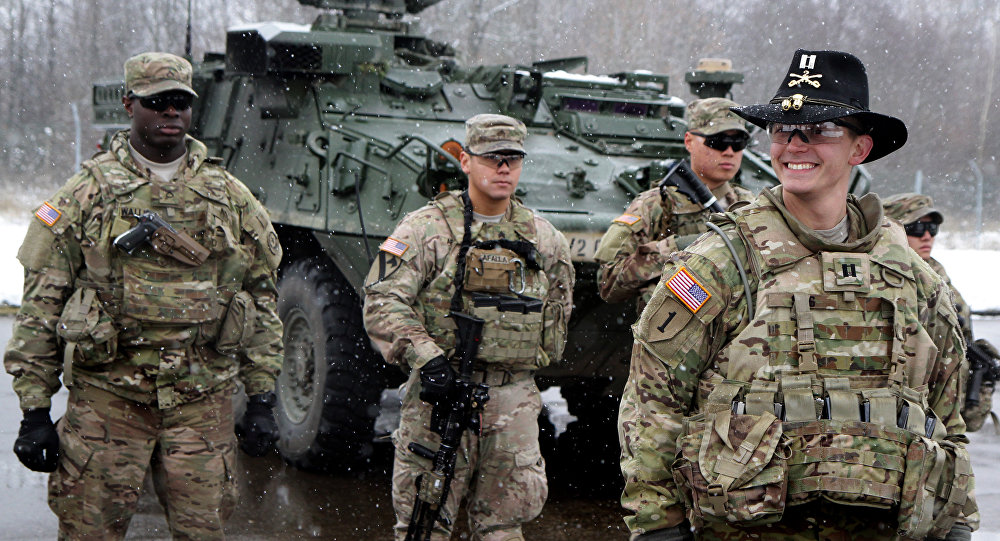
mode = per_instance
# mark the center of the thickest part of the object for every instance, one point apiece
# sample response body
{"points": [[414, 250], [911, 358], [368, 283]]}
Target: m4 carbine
{"points": [[449, 418], [984, 370]]}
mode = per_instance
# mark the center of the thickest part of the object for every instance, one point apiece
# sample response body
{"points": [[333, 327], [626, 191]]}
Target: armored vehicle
{"points": [[343, 126]]}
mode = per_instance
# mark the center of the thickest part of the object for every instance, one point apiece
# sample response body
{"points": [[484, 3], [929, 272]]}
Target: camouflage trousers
{"points": [[815, 521], [500, 474], [107, 445]]}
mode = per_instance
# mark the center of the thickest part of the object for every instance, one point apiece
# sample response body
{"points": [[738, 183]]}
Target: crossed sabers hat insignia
{"points": [[804, 78]]}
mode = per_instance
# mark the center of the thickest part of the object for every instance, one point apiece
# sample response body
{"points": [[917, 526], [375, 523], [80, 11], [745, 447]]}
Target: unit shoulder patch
{"points": [[688, 289], [48, 214]]}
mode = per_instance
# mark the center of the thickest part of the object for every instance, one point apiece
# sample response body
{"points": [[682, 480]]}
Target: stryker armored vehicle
{"points": [[343, 126]]}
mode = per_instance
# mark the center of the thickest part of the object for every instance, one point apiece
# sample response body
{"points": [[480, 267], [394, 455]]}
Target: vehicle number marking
{"points": [[583, 244]]}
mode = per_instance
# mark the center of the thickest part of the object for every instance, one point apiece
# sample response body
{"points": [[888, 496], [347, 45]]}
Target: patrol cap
{"points": [[494, 133], [147, 74], [826, 85], [712, 115], [911, 207]]}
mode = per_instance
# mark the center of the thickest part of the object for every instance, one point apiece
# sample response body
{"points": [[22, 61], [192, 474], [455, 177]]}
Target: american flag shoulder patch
{"points": [[627, 219], [688, 290], [48, 214], [394, 247]]}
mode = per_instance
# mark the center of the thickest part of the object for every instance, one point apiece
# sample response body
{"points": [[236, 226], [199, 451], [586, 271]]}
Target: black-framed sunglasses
{"points": [[162, 102], [497, 159], [722, 141], [917, 229]]}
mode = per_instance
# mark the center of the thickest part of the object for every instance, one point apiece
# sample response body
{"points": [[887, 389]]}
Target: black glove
{"points": [[959, 532], [681, 532], [436, 380], [258, 430], [37, 443]]}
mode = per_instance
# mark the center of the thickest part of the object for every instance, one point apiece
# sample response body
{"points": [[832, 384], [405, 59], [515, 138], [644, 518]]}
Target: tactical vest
{"points": [[512, 338], [688, 217], [823, 394], [156, 300]]}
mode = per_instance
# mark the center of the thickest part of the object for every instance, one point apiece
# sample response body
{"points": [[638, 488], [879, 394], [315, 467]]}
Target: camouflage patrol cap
{"points": [[911, 207], [712, 115], [147, 74], [494, 133]]}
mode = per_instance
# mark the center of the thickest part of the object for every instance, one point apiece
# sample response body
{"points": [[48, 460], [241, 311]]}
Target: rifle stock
{"points": [[449, 418]]}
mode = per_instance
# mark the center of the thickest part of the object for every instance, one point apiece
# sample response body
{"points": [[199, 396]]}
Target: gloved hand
{"points": [[436, 380], [258, 430], [681, 532], [987, 348], [959, 532], [37, 443]]}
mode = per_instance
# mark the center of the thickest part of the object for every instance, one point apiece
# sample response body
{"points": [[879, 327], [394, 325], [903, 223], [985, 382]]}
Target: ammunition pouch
{"points": [[512, 333], [89, 332], [238, 325], [738, 463], [494, 271], [733, 468]]}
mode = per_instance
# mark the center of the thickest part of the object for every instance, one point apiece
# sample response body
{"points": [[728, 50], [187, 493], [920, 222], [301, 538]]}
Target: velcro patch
{"points": [[688, 290], [394, 247], [627, 219], [48, 214]]}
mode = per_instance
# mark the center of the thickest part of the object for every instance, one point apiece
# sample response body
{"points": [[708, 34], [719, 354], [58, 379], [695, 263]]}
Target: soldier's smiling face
{"points": [[159, 134], [807, 170]]}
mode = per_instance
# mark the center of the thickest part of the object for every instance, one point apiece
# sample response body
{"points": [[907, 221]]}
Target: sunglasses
{"points": [[162, 102], [722, 141], [917, 229], [497, 160], [817, 133]]}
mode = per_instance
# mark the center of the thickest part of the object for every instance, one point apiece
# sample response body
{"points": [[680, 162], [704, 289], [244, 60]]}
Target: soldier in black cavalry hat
{"points": [[799, 374]]}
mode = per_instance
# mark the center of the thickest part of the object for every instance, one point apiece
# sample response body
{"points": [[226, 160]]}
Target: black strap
{"points": [[522, 248], [463, 251]]}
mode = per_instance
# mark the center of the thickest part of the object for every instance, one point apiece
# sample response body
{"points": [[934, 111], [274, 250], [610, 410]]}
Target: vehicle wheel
{"points": [[331, 380]]}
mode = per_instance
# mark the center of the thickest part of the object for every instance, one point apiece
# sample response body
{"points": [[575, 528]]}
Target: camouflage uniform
{"points": [[148, 346], [636, 246], [863, 318], [907, 208], [500, 472]]}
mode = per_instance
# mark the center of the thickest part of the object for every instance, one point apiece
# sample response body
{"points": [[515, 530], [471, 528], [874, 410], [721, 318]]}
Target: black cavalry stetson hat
{"points": [[824, 85]]}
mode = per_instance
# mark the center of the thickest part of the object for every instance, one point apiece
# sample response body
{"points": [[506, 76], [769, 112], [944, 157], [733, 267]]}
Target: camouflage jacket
{"points": [[145, 326], [636, 246], [695, 332], [410, 286], [961, 307]]}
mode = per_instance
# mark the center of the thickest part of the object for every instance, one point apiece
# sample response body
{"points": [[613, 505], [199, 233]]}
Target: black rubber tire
{"points": [[331, 380]]}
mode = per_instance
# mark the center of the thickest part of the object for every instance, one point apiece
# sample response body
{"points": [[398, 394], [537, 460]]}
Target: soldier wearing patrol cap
{"points": [[663, 220], [800, 374], [507, 250], [921, 222], [149, 328]]}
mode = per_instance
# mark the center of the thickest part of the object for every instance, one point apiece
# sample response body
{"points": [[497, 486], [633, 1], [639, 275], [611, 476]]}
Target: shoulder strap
{"points": [[463, 250]]}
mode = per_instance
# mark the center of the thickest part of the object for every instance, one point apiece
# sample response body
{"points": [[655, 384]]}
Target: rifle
{"points": [[681, 177], [449, 418], [163, 238], [505, 303], [984, 370]]}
